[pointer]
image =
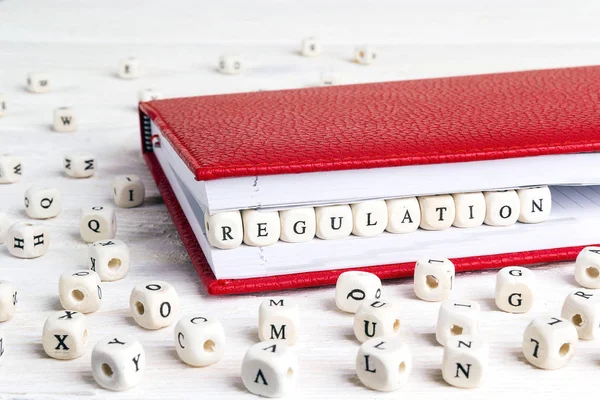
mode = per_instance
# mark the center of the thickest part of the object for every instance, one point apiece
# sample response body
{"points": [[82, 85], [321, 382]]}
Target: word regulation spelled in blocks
{"points": [[39, 82], [97, 223], [8, 300]]}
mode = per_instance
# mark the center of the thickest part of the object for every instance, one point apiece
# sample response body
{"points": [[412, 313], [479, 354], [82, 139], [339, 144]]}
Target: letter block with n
{"points": [[278, 319], [465, 361]]}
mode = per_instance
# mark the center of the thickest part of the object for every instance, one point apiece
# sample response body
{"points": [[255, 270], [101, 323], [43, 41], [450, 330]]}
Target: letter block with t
{"points": [[355, 287], [582, 308], [437, 212], [515, 289], [199, 341], [261, 228], [128, 191], [42, 203], [79, 165], [536, 204], [97, 223], [224, 230], [587, 268], [118, 362], [80, 291], [298, 224], [457, 317], [109, 259], [383, 364], [278, 319], [154, 305], [465, 361], [376, 318], [25, 240], [434, 278], [502, 207], [65, 335], [65, 120], [270, 369], [549, 342]]}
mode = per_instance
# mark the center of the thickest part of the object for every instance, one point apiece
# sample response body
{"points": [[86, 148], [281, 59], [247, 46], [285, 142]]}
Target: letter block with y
{"points": [[270, 369], [278, 319], [118, 362], [515, 289], [465, 361], [224, 230]]}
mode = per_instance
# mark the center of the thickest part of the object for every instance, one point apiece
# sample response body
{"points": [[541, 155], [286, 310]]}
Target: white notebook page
{"points": [[574, 221]]}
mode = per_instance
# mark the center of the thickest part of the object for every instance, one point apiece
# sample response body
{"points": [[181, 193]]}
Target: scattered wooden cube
{"points": [[515, 289], [278, 319], [97, 223], [129, 68], [311, 47], [65, 335], [65, 120], [128, 191], [8, 300], [355, 287], [434, 279], [365, 55], [39, 82], [587, 267], [465, 361], [79, 165], [42, 202], [384, 364], [149, 95], [10, 169], [549, 342], [230, 64], [26, 240], [154, 305], [582, 308], [118, 362], [457, 317], [369, 218], [376, 319], [80, 291], [261, 228], [199, 341], [270, 369], [110, 259]]}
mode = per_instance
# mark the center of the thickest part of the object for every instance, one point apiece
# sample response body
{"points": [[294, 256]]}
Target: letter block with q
{"points": [[98, 223]]}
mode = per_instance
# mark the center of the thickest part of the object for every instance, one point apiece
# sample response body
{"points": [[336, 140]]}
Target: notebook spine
{"points": [[146, 131]]}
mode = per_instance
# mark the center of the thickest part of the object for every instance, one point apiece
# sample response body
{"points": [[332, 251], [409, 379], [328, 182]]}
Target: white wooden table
{"points": [[178, 43]]}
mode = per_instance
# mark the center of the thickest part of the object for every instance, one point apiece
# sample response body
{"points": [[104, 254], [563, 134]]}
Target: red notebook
{"points": [[378, 126]]}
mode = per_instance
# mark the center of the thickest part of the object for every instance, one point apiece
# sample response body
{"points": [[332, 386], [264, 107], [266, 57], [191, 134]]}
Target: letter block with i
{"points": [[278, 319], [270, 369], [383, 364], [65, 120], [465, 361], [549, 342], [128, 191], [515, 289]]}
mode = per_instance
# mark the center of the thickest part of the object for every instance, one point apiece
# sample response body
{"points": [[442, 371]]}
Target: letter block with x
{"points": [[65, 335]]}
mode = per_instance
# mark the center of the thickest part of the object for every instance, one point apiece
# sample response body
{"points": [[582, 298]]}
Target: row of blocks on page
{"points": [[229, 229]]}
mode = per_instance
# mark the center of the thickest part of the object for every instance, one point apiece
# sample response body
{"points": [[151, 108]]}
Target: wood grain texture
{"points": [[178, 43]]}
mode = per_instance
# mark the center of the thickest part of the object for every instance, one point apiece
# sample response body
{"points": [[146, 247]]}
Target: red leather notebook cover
{"points": [[428, 121]]}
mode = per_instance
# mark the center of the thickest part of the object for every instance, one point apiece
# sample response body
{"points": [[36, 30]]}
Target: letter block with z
{"points": [[355, 287], [437, 212], [42, 203], [278, 319], [515, 289], [384, 364], [377, 318], [199, 341], [224, 230], [549, 342], [128, 191], [587, 268], [298, 224], [65, 335], [582, 308], [261, 228], [118, 362], [109, 259], [98, 223], [457, 317], [25, 240], [465, 361], [270, 369], [79, 165], [154, 305], [65, 120]]}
